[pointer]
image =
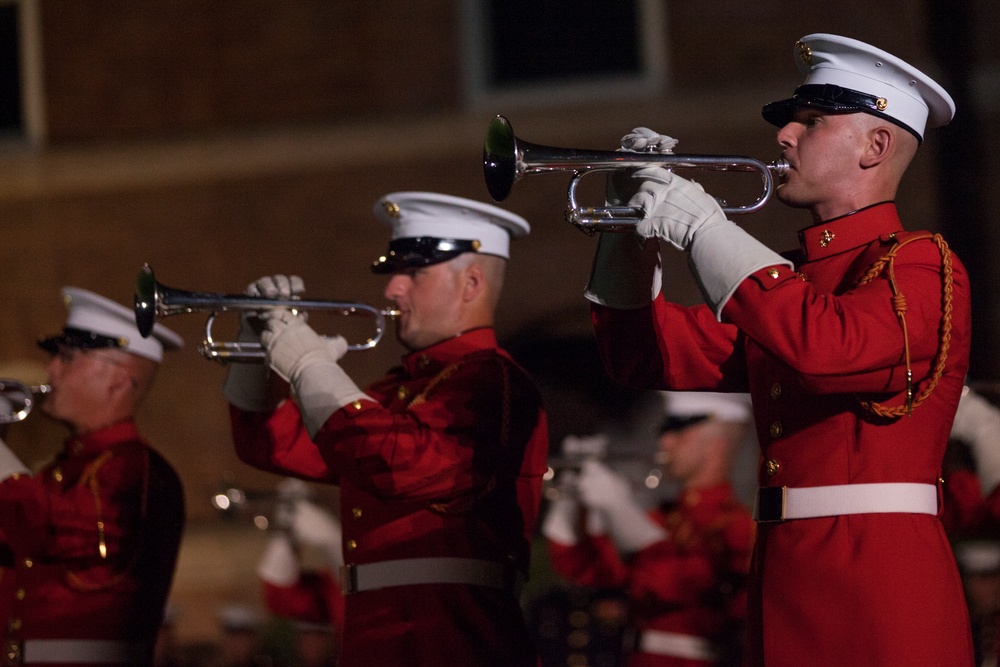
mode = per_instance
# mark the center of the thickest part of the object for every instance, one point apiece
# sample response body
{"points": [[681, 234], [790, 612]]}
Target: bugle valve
{"points": [[154, 301], [506, 158], [19, 398]]}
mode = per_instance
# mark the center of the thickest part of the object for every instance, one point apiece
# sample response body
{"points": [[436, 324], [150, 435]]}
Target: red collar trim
{"points": [[449, 350], [103, 439], [850, 231]]}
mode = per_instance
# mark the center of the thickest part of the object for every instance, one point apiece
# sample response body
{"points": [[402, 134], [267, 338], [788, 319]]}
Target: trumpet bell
{"points": [[146, 298], [21, 399], [500, 158]]}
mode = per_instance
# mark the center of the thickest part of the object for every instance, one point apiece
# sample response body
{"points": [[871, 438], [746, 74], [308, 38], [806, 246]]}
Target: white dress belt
{"points": [[96, 651], [358, 577], [676, 645], [780, 503]]}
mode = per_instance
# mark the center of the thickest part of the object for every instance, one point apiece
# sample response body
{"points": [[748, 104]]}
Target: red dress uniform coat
{"points": [[692, 583], [869, 589], [446, 461], [91, 541]]}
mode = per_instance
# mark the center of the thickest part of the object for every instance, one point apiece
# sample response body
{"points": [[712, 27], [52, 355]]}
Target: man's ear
{"points": [[474, 281], [881, 143]]}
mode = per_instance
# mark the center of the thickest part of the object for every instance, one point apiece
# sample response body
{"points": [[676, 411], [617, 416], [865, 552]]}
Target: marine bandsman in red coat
{"points": [[439, 463], [683, 565], [854, 349], [90, 541]]}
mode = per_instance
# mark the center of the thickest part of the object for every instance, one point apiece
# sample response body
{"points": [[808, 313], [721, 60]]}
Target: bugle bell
{"points": [[21, 398], [506, 158], [154, 301]]}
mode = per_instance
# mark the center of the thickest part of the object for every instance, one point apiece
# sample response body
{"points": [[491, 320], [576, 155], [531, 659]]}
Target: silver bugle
{"points": [[154, 301], [19, 394], [506, 158]]}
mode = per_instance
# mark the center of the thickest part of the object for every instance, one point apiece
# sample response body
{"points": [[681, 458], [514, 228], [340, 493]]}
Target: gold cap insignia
{"points": [[391, 208], [881, 104], [805, 53], [476, 245]]}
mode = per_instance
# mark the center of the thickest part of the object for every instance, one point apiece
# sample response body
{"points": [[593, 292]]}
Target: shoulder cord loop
{"points": [[89, 477], [899, 306]]}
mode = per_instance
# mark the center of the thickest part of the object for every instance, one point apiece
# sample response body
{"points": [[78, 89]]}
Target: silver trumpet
{"points": [[21, 398], [154, 301], [506, 159]]}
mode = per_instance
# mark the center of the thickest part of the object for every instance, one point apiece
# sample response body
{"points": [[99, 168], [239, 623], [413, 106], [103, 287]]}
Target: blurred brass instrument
{"points": [[154, 301], [507, 158], [21, 398], [576, 451], [265, 509]]}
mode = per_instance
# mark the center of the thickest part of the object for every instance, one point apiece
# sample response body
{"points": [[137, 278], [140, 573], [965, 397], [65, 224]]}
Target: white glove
{"points": [[246, 385], [292, 344], [278, 286], [645, 140], [630, 527], [674, 208], [562, 521], [290, 492], [977, 423], [10, 465], [309, 363], [682, 213], [318, 528], [279, 566]]}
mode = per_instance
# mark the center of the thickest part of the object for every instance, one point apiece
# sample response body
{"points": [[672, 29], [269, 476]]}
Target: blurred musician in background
{"points": [[971, 512], [90, 541], [855, 350], [684, 564], [439, 464], [972, 473], [308, 595]]}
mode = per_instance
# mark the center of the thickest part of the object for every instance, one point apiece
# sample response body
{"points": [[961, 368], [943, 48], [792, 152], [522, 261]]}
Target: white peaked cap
{"points": [[845, 75], [720, 406], [429, 215], [92, 313]]}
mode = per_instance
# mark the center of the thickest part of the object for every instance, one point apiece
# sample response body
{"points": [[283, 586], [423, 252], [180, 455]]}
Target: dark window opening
{"points": [[10, 77], [534, 41]]}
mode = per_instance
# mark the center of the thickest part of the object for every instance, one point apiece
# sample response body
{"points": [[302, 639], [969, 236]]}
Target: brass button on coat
{"points": [[356, 512], [351, 545], [771, 467], [775, 391], [402, 392], [777, 429]]}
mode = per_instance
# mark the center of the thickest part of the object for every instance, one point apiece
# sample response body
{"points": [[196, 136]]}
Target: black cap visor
{"points": [[673, 424], [413, 253], [80, 339], [831, 99]]}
